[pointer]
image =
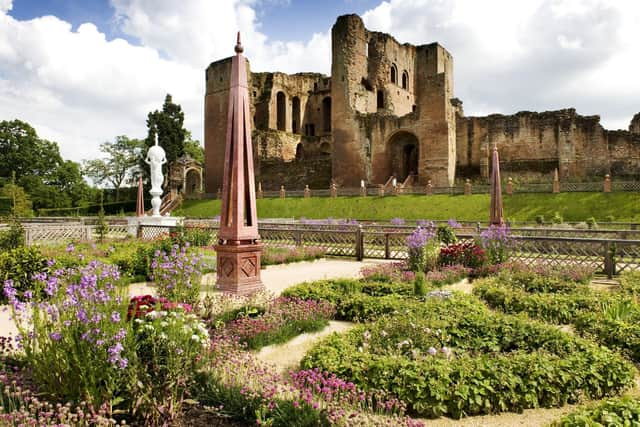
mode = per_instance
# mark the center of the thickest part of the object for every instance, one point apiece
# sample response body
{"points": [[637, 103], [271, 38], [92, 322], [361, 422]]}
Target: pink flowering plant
{"points": [[177, 274], [283, 318], [74, 339]]}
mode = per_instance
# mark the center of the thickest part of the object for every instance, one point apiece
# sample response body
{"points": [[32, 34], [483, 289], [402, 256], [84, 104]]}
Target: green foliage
{"points": [[483, 363], [102, 226], [38, 167], [420, 285], [193, 148], [540, 219], [271, 255], [446, 234], [13, 237], [19, 265], [557, 218], [120, 164], [591, 223], [168, 125], [18, 199], [518, 207], [623, 411]]}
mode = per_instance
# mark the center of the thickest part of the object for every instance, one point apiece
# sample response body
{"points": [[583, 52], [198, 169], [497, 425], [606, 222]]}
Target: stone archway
{"points": [[404, 152], [192, 182]]}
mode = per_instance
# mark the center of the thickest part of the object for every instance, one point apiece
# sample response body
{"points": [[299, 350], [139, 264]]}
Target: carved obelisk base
{"points": [[238, 269]]}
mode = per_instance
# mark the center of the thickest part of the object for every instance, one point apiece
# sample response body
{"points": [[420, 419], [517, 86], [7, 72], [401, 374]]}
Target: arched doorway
{"points": [[404, 152], [193, 182]]}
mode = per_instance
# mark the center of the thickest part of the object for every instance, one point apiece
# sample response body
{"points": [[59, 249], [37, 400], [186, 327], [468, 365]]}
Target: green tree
{"points": [[168, 125], [120, 166], [39, 168], [21, 205], [193, 148]]}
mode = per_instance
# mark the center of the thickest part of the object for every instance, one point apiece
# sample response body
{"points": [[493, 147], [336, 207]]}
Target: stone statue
{"points": [[156, 157]]}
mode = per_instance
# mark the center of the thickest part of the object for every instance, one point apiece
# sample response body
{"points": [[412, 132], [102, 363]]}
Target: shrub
{"points": [[445, 233], [445, 363], [540, 219], [177, 274], [420, 285], [557, 218], [13, 237], [19, 266], [448, 274], [271, 256], [623, 411], [388, 272]]}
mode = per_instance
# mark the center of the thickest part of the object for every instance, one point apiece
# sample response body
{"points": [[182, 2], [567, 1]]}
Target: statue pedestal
{"points": [[153, 226], [238, 268]]}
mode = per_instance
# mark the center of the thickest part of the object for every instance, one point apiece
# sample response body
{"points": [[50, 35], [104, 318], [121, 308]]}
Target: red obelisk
{"points": [[140, 201], [238, 249], [495, 216]]}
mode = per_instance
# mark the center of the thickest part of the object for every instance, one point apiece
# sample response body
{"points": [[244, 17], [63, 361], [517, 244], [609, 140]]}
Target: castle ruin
{"points": [[388, 109]]}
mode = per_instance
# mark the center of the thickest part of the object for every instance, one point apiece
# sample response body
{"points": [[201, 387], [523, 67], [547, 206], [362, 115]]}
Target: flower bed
{"points": [[272, 256], [453, 357], [624, 411], [282, 319]]}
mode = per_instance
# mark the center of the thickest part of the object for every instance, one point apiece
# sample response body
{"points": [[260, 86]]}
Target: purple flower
{"points": [[56, 336], [70, 248], [453, 223], [397, 221], [115, 317]]}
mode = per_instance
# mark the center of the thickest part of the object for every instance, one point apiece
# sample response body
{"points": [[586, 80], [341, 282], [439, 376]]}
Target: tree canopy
{"points": [[120, 167], [39, 168], [168, 125]]}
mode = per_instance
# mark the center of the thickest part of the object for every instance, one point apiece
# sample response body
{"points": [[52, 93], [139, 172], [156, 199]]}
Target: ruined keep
{"points": [[388, 109]]}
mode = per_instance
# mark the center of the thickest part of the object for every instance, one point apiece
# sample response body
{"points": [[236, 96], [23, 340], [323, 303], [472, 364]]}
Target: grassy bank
{"points": [[517, 207]]}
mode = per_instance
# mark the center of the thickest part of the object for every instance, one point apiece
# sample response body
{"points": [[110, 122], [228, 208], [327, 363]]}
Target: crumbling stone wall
{"points": [[537, 143]]}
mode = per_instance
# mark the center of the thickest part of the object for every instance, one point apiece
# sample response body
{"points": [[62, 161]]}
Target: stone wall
{"points": [[533, 143]]}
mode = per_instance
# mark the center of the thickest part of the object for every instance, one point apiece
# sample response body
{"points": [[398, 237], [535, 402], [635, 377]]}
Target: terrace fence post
{"points": [[27, 236], [467, 188], [609, 263], [298, 237], [387, 252], [509, 186], [139, 232], [429, 189], [359, 243], [606, 186], [478, 227], [380, 190]]}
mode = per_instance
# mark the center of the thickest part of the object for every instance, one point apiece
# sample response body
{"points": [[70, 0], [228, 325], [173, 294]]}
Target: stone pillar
{"points": [[467, 187], [607, 184], [239, 249], [556, 182], [259, 193], [429, 188], [333, 190], [509, 186], [380, 190], [283, 192], [307, 192]]}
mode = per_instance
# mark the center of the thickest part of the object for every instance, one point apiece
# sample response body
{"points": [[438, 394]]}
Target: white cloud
{"points": [[530, 55], [5, 5]]}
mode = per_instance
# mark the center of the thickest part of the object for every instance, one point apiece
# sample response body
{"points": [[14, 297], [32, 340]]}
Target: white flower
{"points": [[195, 338], [164, 324], [149, 327], [163, 336], [383, 333]]}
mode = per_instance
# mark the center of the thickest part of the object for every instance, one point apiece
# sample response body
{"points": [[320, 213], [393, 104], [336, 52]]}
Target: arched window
{"points": [[405, 79], [326, 114], [295, 115], [281, 110], [394, 73]]}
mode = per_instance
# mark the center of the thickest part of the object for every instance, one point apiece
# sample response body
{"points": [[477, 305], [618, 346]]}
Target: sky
{"points": [[85, 71]]}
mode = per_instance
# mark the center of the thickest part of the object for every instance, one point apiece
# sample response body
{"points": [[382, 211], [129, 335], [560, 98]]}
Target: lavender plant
{"points": [[177, 274], [74, 339], [423, 249], [497, 241]]}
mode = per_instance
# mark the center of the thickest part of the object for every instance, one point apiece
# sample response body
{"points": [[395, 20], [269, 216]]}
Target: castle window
{"points": [[310, 129], [405, 79], [394, 73], [295, 115], [315, 87], [281, 110], [326, 114], [380, 99], [414, 108]]}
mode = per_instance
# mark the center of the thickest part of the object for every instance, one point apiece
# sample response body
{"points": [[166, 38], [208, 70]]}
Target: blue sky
{"points": [[279, 19]]}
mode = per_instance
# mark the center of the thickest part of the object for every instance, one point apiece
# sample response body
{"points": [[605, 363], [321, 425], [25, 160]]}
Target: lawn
{"points": [[621, 207]]}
